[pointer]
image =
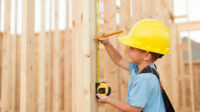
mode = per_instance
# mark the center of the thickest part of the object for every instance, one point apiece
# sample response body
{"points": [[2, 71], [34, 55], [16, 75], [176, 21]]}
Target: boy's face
{"points": [[135, 55]]}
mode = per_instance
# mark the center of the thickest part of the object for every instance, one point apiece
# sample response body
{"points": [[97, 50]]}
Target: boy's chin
{"points": [[131, 61]]}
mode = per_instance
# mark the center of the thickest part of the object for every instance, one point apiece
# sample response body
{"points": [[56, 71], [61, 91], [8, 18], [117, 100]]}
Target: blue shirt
{"points": [[144, 90]]}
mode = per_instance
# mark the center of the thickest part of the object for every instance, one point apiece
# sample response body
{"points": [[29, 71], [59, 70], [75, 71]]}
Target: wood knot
{"points": [[87, 55]]}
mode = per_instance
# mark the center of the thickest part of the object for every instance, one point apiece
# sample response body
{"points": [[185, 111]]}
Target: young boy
{"points": [[147, 41]]}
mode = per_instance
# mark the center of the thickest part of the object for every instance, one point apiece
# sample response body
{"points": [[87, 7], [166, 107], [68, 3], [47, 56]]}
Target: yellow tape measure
{"points": [[101, 88], [98, 31]]}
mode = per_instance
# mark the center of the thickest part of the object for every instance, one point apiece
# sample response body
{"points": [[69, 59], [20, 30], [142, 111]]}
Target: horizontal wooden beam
{"points": [[182, 16], [193, 26], [183, 47], [194, 62]]}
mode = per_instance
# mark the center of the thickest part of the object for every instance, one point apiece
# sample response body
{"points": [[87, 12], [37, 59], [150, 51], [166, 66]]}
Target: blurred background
{"points": [[37, 50]]}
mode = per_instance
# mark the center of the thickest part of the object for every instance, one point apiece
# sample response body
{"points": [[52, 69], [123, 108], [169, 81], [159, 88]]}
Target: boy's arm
{"points": [[116, 57], [119, 105], [124, 106]]}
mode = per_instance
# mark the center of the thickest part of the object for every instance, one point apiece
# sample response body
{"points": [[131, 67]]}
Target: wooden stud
{"points": [[56, 65], [0, 14], [125, 20], [14, 58], [67, 64], [18, 60], [174, 67], [49, 55], [196, 85], [42, 74], [1, 39], [144, 8], [27, 57], [151, 8], [181, 72], [190, 63], [83, 56], [137, 12], [109, 70], [5, 90], [191, 73]]}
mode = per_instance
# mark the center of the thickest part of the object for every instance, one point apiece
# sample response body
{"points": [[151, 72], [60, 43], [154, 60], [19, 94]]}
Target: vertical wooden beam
{"points": [[125, 16], [67, 64], [125, 20], [42, 73], [49, 56], [109, 70], [137, 11], [1, 49], [190, 62], [174, 59], [14, 58], [196, 85], [181, 72], [144, 8], [56, 64], [27, 57], [191, 74], [174, 67], [18, 65], [157, 8], [83, 56], [5, 95], [151, 8], [0, 14]]}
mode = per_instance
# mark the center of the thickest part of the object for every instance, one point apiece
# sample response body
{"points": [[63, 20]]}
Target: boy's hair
{"points": [[156, 55]]}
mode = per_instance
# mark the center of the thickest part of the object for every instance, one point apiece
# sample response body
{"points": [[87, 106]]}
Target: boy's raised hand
{"points": [[104, 41]]}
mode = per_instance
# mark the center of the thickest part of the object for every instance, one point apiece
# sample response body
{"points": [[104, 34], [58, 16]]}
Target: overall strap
{"points": [[153, 71], [168, 105]]}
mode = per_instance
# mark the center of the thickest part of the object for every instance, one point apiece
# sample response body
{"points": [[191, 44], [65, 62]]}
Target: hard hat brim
{"points": [[124, 39]]}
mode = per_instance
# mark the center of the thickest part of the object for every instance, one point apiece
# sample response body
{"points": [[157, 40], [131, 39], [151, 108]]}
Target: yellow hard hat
{"points": [[149, 35]]}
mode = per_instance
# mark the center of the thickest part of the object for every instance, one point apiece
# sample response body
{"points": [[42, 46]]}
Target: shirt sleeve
{"points": [[140, 92]]}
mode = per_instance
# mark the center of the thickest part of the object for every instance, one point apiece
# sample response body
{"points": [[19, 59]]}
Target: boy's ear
{"points": [[148, 56]]}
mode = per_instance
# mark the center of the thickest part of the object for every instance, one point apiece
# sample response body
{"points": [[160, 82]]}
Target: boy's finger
{"points": [[102, 39], [99, 100], [98, 96], [95, 39]]}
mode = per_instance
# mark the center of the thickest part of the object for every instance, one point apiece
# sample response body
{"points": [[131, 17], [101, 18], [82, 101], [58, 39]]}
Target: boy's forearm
{"points": [[113, 53], [122, 106], [119, 105]]}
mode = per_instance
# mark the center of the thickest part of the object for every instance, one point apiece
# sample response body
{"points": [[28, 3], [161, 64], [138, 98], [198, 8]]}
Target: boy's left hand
{"points": [[102, 99]]}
